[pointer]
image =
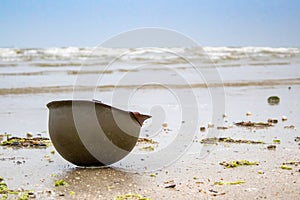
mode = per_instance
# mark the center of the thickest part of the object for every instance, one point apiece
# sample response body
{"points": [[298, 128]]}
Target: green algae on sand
{"points": [[286, 167], [238, 182], [237, 163], [276, 141], [60, 183], [147, 148], [6, 192]]}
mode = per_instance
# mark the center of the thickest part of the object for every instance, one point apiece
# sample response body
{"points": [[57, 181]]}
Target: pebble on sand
{"points": [[248, 113], [273, 100], [283, 118], [165, 125], [202, 129]]}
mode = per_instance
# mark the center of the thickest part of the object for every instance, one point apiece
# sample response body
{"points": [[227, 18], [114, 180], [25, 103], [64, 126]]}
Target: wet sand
{"points": [[193, 176]]}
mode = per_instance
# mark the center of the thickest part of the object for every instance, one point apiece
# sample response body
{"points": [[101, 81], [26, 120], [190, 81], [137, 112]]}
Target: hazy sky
{"points": [[49, 23]]}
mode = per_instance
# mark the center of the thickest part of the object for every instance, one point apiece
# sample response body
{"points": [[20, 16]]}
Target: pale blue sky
{"points": [[49, 23]]}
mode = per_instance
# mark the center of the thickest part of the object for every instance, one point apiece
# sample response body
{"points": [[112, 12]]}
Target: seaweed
{"points": [[5, 191], [146, 140], [222, 127], [230, 183], [276, 141], [237, 163], [229, 140], [3, 187], [150, 147], [296, 163], [286, 167], [36, 142], [130, 196], [147, 148], [24, 196], [250, 124]]}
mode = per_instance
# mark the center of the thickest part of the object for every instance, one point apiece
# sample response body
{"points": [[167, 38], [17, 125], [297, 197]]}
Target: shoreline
{"points": [[72, 88]]}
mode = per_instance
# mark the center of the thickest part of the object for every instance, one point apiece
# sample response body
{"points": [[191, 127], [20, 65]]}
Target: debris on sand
{"points": [[150, 144], [169, 184], [248, 113], [291, 127], [4, 135], [216, 193], [237, 163], [283, 118], [273, 100], [297, 139], [271, 147], [296, 163], [230, 183], [36, 142], [210, 125], [229, 140], [131, 196], [273, 121], [222, 127], [250, 124], [202, 129], [146, 140]]}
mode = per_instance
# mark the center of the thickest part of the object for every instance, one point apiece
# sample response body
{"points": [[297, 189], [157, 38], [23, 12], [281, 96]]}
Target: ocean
{"points": [[31, 77]]}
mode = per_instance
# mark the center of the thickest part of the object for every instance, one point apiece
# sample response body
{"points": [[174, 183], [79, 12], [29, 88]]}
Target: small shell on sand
{"points": [[29, 135], [248, 113], [283, 118], [210, 125], [164, 124]]}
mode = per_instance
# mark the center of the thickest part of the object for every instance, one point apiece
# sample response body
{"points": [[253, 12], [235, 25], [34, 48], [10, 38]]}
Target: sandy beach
{"points": [[247, 82]]}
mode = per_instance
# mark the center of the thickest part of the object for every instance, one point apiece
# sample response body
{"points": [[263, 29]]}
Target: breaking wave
{"points": [[75, 56]]}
